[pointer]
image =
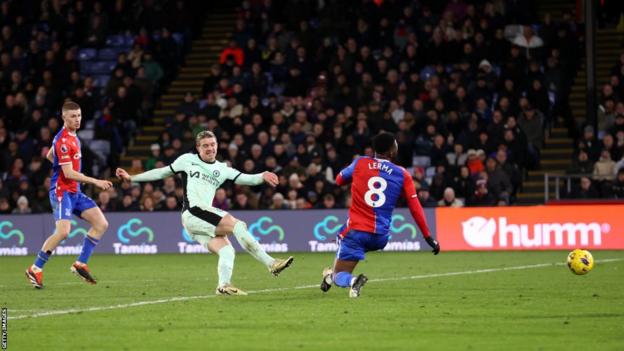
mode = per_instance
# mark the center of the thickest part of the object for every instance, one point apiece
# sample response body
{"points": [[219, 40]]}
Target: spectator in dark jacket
{"points": [[617, 189], [586, 190]]}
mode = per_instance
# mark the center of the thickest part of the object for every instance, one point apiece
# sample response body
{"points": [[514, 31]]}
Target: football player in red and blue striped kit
{"points": [[67, 199], [376, 185]]}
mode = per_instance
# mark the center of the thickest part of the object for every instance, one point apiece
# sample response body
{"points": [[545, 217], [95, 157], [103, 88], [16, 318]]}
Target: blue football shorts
{"points": [[356, 243], [70, 203]]}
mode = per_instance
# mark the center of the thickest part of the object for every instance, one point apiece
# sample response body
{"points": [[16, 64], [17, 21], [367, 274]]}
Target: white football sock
{"points": [[250, 244], [226, 264]]}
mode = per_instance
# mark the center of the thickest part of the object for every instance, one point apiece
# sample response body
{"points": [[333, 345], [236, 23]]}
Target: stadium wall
{"points": [[492, 228]]}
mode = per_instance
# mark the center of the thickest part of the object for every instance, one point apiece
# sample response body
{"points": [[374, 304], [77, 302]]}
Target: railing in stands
{"points": [[558, 179]]}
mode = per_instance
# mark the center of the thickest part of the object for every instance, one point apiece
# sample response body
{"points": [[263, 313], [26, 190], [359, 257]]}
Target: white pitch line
{"points": [[487, 270], [187, 298]]}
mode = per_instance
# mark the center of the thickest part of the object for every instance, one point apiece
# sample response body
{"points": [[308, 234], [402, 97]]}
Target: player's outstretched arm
{"points": [[70, 173], [151, 175], [417, 212], [270, 178], [122, 174], [257, 179]]}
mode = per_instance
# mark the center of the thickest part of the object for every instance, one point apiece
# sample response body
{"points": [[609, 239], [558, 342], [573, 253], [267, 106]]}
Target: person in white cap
{"points": [[22, 206]]}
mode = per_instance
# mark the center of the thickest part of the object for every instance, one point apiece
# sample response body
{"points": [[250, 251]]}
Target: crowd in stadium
{"points": [[598, 154], [468, 89], [40, 66]]}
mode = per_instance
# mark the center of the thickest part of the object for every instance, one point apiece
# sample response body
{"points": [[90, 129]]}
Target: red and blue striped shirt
{"points": [[66, 151], [376, 185]]}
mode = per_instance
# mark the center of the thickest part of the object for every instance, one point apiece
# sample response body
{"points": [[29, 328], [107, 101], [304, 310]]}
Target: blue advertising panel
{"points": [[21, 235], [162, 232]]}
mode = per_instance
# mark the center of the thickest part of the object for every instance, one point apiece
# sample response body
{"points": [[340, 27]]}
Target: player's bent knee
{"points": [[103, 225], [100, 227], [226, 225]]}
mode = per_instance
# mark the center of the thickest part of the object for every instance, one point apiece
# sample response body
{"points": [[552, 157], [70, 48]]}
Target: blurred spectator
{"points": [[449, 199], [220, 200], [590, 144], [22, 206], [617, 189], [172, 204], [154, 157], [586, 190], [278, 202], [129, 204], [241, 202], [604, 169], [425, 198], [153, 69], [481, 195], [474, 162], [5, 207], [608, 144], [188, 107], [581, 164], [96, 34], [531, 122], [147, 204], [529, 41], [457, 158], [498, 181], [329, 202], [105, 203], [511, 170], [232, 53]]}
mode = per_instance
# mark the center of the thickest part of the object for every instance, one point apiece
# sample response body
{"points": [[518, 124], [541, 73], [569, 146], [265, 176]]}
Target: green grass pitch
{"points": [[454, 301]]}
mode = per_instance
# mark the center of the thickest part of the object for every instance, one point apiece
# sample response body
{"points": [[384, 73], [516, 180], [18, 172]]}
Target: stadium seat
{"points": [[497, 70], [86, 67], [97, 67], [178, 37], [101, 81], [552, 97], [430, 172], [86, 134], [101, 148], [128, 40], [512, 30], [109, 54], [115, 41], [89, 125], [87, 54], [421, 161], [494, 99], [427, 72]]}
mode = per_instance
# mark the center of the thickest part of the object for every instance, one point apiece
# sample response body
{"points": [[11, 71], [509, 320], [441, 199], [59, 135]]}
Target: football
{"points": [[580, 261]]}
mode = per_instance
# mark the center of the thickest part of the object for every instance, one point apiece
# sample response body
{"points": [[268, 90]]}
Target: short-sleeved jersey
{"points": [[376, 186], [66, 148], [201, 179]]}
